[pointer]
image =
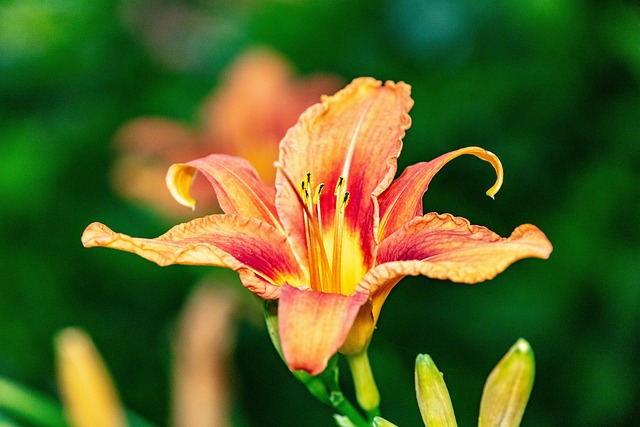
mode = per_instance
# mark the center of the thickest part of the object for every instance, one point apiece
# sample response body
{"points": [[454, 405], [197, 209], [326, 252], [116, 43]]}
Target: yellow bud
{"points": [[89, 396], [508, 387]]}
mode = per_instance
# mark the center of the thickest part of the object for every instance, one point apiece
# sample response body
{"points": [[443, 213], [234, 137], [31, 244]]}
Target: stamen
{"points": [[309, 199], [345, 201], [315, 246], [319, 268], [341, 203], [316, 201], [316, 195], [339, 186], [304, 191], [325, 270]]}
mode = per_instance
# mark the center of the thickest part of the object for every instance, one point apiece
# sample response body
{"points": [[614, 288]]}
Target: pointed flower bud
{"points": [[89, 396], [508, 387], [433, 396]]}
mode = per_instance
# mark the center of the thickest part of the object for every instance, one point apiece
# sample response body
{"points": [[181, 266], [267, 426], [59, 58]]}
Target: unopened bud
{"points": [[89, 396], [508, 387], [433, 396]]}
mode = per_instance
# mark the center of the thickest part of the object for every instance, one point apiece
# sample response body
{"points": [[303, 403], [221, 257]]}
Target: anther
{"points": [[303, 190], [339, 186], [342, 198], [316, 195], [345, 201]]}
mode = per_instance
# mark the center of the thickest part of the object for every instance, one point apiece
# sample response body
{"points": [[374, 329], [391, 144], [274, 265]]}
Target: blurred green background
{"points": [[551, 87]]}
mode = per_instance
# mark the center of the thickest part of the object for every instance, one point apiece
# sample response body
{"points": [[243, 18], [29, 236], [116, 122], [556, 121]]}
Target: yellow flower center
{"points": [[324, 276]]}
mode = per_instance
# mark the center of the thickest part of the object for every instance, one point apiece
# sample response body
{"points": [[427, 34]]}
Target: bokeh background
{"points": [[552, 87]]}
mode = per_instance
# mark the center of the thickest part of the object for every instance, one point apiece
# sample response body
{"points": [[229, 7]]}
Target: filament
{"points": [[341, 202]]}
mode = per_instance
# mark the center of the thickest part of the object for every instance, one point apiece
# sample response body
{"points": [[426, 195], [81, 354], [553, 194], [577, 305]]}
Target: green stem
{"points": [[344, 407], [365, 385]]}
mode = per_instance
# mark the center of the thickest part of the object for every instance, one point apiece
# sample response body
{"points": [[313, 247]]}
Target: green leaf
{"points": [[30, 406]]}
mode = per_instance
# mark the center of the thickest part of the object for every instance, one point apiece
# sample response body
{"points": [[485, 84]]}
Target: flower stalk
{"points": [[365, 385]]}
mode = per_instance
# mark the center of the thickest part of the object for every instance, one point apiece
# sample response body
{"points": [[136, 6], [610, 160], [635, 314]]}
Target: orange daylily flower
{"points": [[258, 100], [331, 256]]}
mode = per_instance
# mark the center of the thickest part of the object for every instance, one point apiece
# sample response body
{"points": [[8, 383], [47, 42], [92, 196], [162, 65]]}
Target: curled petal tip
{"points": [[94, 233], [497, 165], [179, 179]]}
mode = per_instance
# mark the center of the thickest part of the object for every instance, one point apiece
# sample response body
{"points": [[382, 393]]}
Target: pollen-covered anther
{"points": [[316, 194], [304, 191], [339, 186], [345, 201]]}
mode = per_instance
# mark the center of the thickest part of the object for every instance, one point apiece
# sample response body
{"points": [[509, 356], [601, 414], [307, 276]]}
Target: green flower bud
{"points": [[433, 396], [508, 387]]}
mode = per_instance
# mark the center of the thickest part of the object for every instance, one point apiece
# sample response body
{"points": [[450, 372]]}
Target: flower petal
{"points": [[364, 324], [402, 201], [448, 248], [313, 325], [259, 99], [256, 249], [355, 134], [142, 181], [239, 189], [146, 147]]}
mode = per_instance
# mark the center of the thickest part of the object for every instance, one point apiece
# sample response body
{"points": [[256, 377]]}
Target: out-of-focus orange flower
{"points": [[331, 257], [258, 100], [202, 371]]}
